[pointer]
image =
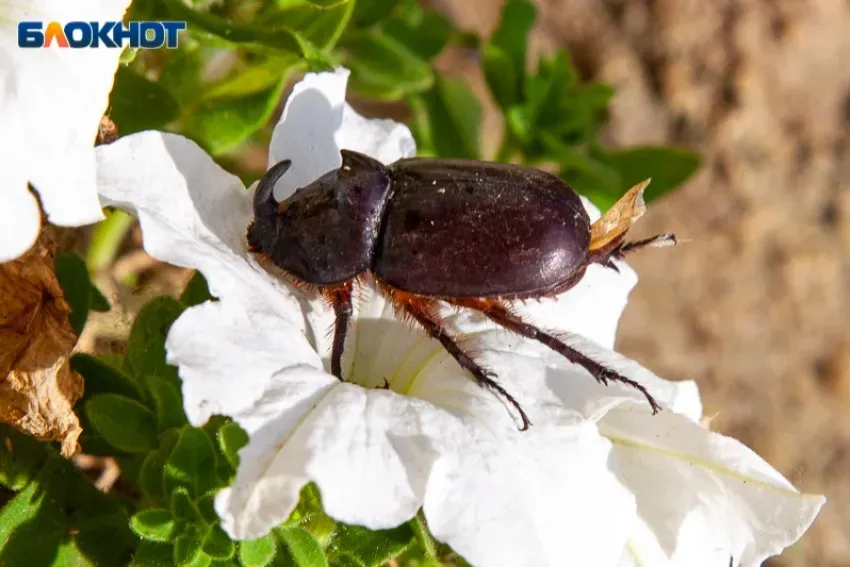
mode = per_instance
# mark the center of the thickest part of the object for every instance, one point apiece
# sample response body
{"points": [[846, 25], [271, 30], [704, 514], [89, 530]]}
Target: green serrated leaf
{"points": [[280, 38], [426, 38], [371, 547], [192, 463], [168, 403], [447, 120], [137, 103], [217, 544], [152, 554], [220, 125], [384, 68], [103, 378], [98, 301], [74, 279], [151, 477], [146, 345], [258, 552], [301, 547], [320, 26], [504, 54], [122, 422], [668, 167], [230, 439], [154, 524]]}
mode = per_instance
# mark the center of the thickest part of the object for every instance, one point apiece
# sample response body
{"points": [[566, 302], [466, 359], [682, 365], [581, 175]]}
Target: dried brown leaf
{"points": [[619, 218], [38, 389]]}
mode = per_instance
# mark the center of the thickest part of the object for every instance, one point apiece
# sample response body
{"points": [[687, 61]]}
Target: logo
{"points": [[79, 34]]}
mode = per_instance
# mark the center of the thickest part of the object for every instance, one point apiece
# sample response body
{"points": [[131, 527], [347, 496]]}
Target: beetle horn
{"points": [[265, 204]]}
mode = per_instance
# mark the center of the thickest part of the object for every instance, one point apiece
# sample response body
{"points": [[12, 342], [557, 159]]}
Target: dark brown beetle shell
{"points": [[455, 228]]}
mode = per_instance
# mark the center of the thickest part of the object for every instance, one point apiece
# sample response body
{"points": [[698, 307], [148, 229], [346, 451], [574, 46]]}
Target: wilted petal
{"points": [[51, 102], [317, 123], [703, 496]]}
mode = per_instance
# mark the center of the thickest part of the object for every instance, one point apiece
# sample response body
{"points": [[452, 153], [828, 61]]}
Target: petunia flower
{"points": [[409, 429], [51, 102]]}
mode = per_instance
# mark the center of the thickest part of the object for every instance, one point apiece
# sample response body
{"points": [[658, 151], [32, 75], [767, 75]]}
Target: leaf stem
{"points": [[423, 536], [107, 238]]}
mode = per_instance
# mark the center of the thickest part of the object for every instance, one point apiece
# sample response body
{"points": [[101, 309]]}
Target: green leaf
{"points": [[192, 463], [320, 26], [384, 68], [447, 120], [151, 478], [258, 552], [303, 549], [221, 124], [168, 403], [137, 103], [184, 508], [231, 438], [155, 524], [125, 424], [60, 518], [668, 167], [106, 239], [367, 14], [371, 547], [146, 344], [21, 457], [504, 55], [259, 77], [103, 378], [152, 554], [187, 551], [426, 38], [196, 291], [280, 38], [345, 560], [73, 276], [217, 544], [327, 4], [98, 301]]}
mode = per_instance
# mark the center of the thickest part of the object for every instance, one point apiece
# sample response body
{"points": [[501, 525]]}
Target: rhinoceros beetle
{"points": [[473, 234]]}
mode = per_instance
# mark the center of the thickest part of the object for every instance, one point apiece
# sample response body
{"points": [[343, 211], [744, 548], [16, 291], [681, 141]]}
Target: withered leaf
{"points": [[618, 219], [38, 389]]}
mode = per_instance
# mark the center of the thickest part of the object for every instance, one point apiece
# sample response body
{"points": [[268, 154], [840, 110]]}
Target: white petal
{"points": [[317, 123], [51, 102], [370, 452], [542, 498], [704, 497]]}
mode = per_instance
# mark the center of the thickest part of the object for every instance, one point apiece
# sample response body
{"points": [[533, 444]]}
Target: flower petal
{"points": [[544, 498], [371, 453], [317, 123], [51, 102], [720, 498]]}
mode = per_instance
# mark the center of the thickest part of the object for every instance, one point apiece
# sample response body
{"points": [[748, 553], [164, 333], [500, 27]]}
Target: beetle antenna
{"points": [[265, 204], [657, 241]]}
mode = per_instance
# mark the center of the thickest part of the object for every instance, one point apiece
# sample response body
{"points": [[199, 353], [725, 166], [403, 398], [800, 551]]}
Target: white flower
{"points": [[561, 493], [51, 102]]}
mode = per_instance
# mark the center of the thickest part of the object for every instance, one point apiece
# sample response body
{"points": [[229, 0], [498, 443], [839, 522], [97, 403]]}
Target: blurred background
{"points": [[754, 306]]}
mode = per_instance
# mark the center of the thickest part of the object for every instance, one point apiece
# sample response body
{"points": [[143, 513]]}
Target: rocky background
{"points": [[755, 307]]}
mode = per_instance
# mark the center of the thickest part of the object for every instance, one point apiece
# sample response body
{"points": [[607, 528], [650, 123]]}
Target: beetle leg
{"points": [[340, 297], [420, 310], [657, 241], [498, 313]]}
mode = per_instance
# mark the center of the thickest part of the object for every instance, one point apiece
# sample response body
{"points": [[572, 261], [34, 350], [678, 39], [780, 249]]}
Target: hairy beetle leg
{"points": [[420, 310], [500, 314], [339, 297]]}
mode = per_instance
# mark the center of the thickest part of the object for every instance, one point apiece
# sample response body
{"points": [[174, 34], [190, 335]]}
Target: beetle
{"points": [[474, 234]]}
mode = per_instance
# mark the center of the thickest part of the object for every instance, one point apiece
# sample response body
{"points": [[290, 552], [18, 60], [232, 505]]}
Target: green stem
{"points": [[107, 238], [423, 536]]}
